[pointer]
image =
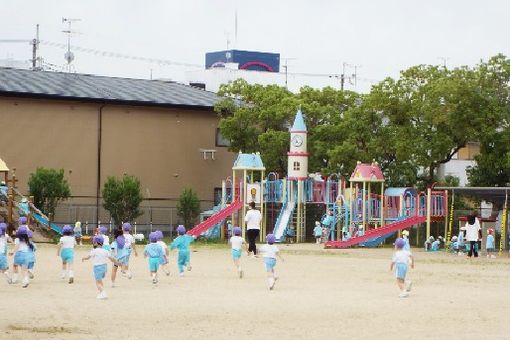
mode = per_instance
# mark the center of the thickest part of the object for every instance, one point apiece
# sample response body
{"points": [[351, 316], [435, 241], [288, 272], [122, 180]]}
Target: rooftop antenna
{"points": [[69, 56], [235, 30]]}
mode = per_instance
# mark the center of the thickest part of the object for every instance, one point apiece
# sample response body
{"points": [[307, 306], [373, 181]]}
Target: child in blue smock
{"points": [[4, 265], [405, 237], [65, 250], [329, 222], [121, 255], [154, 252], [490, 244], [21, 255], [182, 243], [317, 232]]}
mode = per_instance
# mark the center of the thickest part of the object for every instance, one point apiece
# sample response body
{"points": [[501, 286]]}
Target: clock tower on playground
{"points": [[297, 168]]}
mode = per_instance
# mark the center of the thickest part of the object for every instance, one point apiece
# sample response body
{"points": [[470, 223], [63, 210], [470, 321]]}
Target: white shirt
{"points": [[237, 242], [252, 219], [3, 244], [269, 250], [99, 256], [472, 230], [106, 240], [22, 246], [163, 246], [67, 242], [129, 239], [401, 256]]}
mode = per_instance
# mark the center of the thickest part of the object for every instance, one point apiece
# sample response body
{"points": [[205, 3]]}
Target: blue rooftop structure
{"points": [[299, 123], [248, 161]]}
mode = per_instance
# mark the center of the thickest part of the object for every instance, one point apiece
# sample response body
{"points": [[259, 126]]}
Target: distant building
{"points": [[461, 161], [164, 133]]}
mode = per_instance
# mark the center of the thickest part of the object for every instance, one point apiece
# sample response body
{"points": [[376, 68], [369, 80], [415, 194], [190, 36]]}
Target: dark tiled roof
{"points": [[18, 82]]}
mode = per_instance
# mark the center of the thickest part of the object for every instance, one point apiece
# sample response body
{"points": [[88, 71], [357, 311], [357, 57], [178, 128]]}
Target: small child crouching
{"points": [[154, 252], [99, 257], [270, 252], [400, 261]]}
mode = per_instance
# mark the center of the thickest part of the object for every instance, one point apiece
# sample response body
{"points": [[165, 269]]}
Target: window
{"points": [[296, 166], [217, 196], [220, 140]]}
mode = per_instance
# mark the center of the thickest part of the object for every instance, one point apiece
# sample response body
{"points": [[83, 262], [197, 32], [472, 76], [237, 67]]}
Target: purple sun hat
{"points": [[67, 229], [103, 230], [23, 220], [98, 239], [3, 228], [153, 237], [121, 241], [181, 230], [270, 238], [237, 231], [22, 231], [159, 234], [126, 226], [400, 243]]}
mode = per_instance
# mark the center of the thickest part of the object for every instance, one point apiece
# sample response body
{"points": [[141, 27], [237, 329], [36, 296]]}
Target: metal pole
{"points": [[429, 199]]}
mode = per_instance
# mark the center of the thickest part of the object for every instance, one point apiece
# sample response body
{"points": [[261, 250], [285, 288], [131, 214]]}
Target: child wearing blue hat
{"points": [[100, 257], [270, 251], [4, 265], [182, 243], [400, 261], [238, 243], [154, 252], [65, 250]]}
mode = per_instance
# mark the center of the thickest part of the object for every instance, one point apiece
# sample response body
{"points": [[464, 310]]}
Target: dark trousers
{"points": [[252, 235], [472, 248]]}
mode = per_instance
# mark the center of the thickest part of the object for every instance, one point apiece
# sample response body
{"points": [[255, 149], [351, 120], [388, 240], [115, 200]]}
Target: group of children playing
{"points": [[118, 252]]}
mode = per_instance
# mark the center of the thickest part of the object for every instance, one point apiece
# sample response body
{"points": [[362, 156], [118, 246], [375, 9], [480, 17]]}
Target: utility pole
{"points": [[35, 47], [354, 76], [286, 67]]}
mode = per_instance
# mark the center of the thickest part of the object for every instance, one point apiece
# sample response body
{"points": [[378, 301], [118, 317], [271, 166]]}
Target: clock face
{"points": [[297, 141]]}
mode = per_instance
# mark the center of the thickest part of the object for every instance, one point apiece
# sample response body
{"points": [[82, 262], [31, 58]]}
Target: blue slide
{"points": [[43, 220], [283, 220]]}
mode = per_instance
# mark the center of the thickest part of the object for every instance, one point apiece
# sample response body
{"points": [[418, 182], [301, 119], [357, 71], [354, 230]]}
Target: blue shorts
{"points": [[236, 254], [183, 258], [107, 247], [3, 262], [67, 255], [153, 264], [270, 263], [100, 272], [124, 260], [20, 259], [400, 271]]}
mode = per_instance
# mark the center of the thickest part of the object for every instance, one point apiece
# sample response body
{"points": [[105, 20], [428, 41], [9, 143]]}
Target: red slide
{"points": [[373, 233], [215, 219]]}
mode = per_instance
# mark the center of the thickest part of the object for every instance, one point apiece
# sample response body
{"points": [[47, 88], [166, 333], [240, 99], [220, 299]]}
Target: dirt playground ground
{"points": [[321, 294]]}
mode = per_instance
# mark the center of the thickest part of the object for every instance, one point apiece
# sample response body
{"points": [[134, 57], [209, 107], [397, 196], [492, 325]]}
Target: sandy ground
{"points": [[320, 295]]}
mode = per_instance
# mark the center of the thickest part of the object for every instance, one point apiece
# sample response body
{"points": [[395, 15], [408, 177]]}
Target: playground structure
{"points": [[363, 211]]}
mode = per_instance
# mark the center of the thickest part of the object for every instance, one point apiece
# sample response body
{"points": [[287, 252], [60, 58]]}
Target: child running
{"points": [[120, 253], [4, 265], [401, 260], [154, 252], [31, 256], [238, 243], [270, 251], [182, 243], [21, 255], [163, 261], [130, 247], [99, 257], [65, 250]]}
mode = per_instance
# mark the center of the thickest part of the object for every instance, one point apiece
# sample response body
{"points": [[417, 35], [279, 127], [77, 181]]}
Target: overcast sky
{"points": [[383, 37]]}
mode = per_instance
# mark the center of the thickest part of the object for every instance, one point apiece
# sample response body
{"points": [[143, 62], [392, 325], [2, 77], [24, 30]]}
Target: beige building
{"points": [[93, 127]]}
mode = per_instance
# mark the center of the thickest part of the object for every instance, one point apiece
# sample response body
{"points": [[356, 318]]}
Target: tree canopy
{"points": [[410, 125], [48, 186]]}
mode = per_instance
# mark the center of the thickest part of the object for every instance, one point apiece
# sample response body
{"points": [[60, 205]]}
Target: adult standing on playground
{"points": [[472, 229], [253, 218]]}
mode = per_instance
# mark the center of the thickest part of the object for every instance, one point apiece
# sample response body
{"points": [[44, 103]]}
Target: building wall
{"points": [[158, 145]]}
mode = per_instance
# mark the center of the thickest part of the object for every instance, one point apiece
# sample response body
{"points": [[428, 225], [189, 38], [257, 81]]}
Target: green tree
{"points": [[122, 198], [48, 186], [188, 207]]}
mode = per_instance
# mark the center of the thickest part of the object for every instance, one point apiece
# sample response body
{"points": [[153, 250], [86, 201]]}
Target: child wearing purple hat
{"points": [[4, 265], [121, 254], [400, 261], [163, 260], [129, 244], [270, 251], [21, 255], [100, 257], [31, 256], [182, 243], [154, 252], [238, 243], [65, 250], [103, 231]]}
